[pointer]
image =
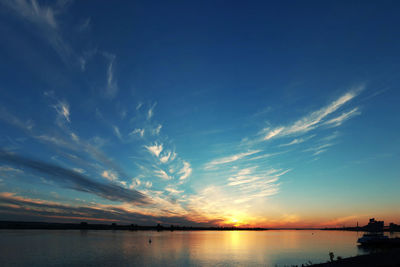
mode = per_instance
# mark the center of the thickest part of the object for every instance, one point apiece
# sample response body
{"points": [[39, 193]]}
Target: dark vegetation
{"points": [[112, 226]]}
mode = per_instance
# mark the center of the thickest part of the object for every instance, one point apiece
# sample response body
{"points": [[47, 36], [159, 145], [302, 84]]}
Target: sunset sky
{"points": [[273, 114]]}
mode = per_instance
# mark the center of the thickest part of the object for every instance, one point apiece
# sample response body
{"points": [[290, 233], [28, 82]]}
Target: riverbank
{"points": [[133, 227], [382, 259]]}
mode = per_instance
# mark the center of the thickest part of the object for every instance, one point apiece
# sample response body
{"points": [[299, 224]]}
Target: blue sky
{"points": [[211, 112]]}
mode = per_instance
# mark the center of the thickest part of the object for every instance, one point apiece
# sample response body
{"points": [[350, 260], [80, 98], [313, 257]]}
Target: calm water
{"points": [[197, 248]]}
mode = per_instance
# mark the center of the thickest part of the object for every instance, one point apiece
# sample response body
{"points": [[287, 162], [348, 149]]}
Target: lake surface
{"points": [[178, 248]]}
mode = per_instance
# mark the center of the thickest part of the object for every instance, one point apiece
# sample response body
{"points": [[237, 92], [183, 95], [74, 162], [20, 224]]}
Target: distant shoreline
{"points": [[134, 227]]}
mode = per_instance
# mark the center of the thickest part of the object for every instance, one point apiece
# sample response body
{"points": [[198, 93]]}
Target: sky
{"points": [[198, 113]]}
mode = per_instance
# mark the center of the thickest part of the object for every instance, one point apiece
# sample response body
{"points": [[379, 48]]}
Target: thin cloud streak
{"points": [[230, 159], [297, 141], [77, 181], [162, 174], [112, 86], [44, 19], [150, 112], [343, 117], [314, 119]]}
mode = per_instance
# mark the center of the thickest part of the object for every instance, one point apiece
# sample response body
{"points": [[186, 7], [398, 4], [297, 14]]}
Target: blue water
{"points": [[195, 248]]}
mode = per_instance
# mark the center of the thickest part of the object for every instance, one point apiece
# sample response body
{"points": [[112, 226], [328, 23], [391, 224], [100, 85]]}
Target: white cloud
{"points": [[164, 158], [252, 184], [173, 190], [117, 132], [297, 141], [138, 131], [110, 175], [185, 171], [150, 112], [112, 86], [162, 174], [230, 159], [319, 152], [43, 17], [293, 142], [135, 183], [32, 11], [319, 149], [274, 133], [13, 120], [79, 170], [9, 169], [63, 112], [53, 140], [343, 117], [148, 184], [331, 137], [155, 149], [314, 119], [157, 130], [74, 137]]}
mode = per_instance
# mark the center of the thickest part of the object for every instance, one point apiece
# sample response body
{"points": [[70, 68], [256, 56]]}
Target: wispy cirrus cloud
{"points": [[43, 17], [343, 117], [297, 141], [319, 149], [112, 85], [150, 112], [229, 159], [314, 119], [15, 121], [155, 149], [257, 183], [185, 171], [156, 131], [63, 111], [173, 191], [9, 169], [138, 131], [162, 174], [34, 12], [74, 137], [110, 175], [117, 132], [164, 158]]}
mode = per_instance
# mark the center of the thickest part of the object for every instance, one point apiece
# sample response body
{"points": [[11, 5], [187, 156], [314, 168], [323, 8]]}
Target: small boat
{"points": [[377, 239]]}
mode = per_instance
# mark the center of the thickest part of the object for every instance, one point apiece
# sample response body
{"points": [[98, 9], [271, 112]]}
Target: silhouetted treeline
{"points": [[112, 226]]}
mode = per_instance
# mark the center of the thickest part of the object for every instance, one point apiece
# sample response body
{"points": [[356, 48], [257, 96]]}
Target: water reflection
{"points": [[178, 248]]}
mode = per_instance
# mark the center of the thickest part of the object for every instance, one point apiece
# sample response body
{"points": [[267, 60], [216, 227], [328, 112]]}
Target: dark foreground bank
{"points": [[382, 259]]}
